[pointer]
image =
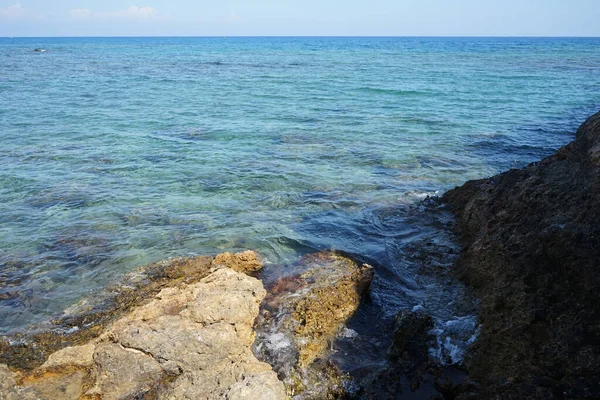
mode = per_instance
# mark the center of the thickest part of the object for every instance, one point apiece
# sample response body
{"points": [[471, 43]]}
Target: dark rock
{"points": [[531, 253], [412, 340], [409, 371], [444, 385]]}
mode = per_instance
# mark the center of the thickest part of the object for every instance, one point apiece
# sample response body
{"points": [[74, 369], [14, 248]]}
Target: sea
{"points": [[118, 152]]}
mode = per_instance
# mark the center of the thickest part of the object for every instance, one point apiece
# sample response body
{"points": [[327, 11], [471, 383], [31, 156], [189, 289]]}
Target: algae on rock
{"points": [[301, 317]]}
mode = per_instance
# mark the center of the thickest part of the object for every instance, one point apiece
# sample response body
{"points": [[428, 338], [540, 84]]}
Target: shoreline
{"points": [[527, 237], [531, 254], [187, 328]]}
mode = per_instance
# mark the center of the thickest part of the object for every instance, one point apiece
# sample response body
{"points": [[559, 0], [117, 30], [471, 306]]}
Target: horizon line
{"points": [[302, 36]]}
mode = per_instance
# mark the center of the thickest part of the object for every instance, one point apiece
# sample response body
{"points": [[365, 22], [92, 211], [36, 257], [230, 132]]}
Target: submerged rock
{"points": [[412, 337], [301, 317], [189, 341], [531, 253], [409, 368]]}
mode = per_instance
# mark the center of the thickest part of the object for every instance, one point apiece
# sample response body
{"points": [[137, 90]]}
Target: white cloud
{"points": [[12, 11], [80, 13], [133, 12], [17, 11], [140, 12]]}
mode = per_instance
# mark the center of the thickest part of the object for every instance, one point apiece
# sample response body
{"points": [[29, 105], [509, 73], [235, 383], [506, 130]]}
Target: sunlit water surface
{"points": [[123, 151]]}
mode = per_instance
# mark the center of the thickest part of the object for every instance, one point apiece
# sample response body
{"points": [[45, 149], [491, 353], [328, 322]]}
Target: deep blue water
{"points": [[116, 152]]}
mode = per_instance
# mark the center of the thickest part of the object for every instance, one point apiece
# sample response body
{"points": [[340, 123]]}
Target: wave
{"points": [[397, 92]]}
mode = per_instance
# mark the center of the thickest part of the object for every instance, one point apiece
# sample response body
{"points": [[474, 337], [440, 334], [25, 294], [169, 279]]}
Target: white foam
{"points": [[453, 338], [417, 308], [348, 333], [73, 329], [277, 342]]}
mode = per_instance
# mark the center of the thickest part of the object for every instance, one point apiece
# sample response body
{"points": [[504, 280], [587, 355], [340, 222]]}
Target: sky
{"points": [[299, 18]]}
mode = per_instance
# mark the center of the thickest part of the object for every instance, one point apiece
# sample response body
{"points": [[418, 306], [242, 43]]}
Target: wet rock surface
{"points": [[184, 328], [410, 370], [301, 317], [187, 341], [87, 321], [531, 253], [246, 262], [412, 336], [413, 279]]}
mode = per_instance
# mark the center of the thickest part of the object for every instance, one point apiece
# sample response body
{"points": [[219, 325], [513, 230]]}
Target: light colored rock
{"points": [[189, 342], [247, 261], [77, 356], [124, 372], [208, 340], [9, 389], [65, 384], [259, 386]]}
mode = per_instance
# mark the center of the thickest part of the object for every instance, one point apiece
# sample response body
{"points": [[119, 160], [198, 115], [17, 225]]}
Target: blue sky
{"points": [[305, 17]]}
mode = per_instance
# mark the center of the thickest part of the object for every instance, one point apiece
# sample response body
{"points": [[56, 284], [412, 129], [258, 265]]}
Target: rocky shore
{"points": [[185, 329], [186, 341], [207, 328], [301, 317], [531, 254]]}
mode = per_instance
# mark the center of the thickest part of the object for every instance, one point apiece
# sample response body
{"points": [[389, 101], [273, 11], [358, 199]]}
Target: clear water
{"points": [[116, 152]]}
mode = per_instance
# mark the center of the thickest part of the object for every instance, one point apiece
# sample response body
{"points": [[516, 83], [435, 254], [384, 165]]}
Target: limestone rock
{"points": [[192, 341], [9, 390], [76, 356], [246, 262], [123, 372], [257, 386], [67, 383], [85, 321]]}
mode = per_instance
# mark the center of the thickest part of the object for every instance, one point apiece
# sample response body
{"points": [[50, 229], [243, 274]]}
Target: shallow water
{"points": [[118, 152]]}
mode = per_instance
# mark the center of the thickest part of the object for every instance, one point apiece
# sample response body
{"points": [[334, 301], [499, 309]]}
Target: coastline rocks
{"points": [[184, 328], [246, 262], [531, 241], [9, 389], [409, 368], [412, 338], [190, 341], [84, 322], [301, 317]]}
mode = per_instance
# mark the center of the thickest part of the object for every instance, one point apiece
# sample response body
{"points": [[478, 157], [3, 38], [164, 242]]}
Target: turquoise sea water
{"points": [[116, 152]]}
